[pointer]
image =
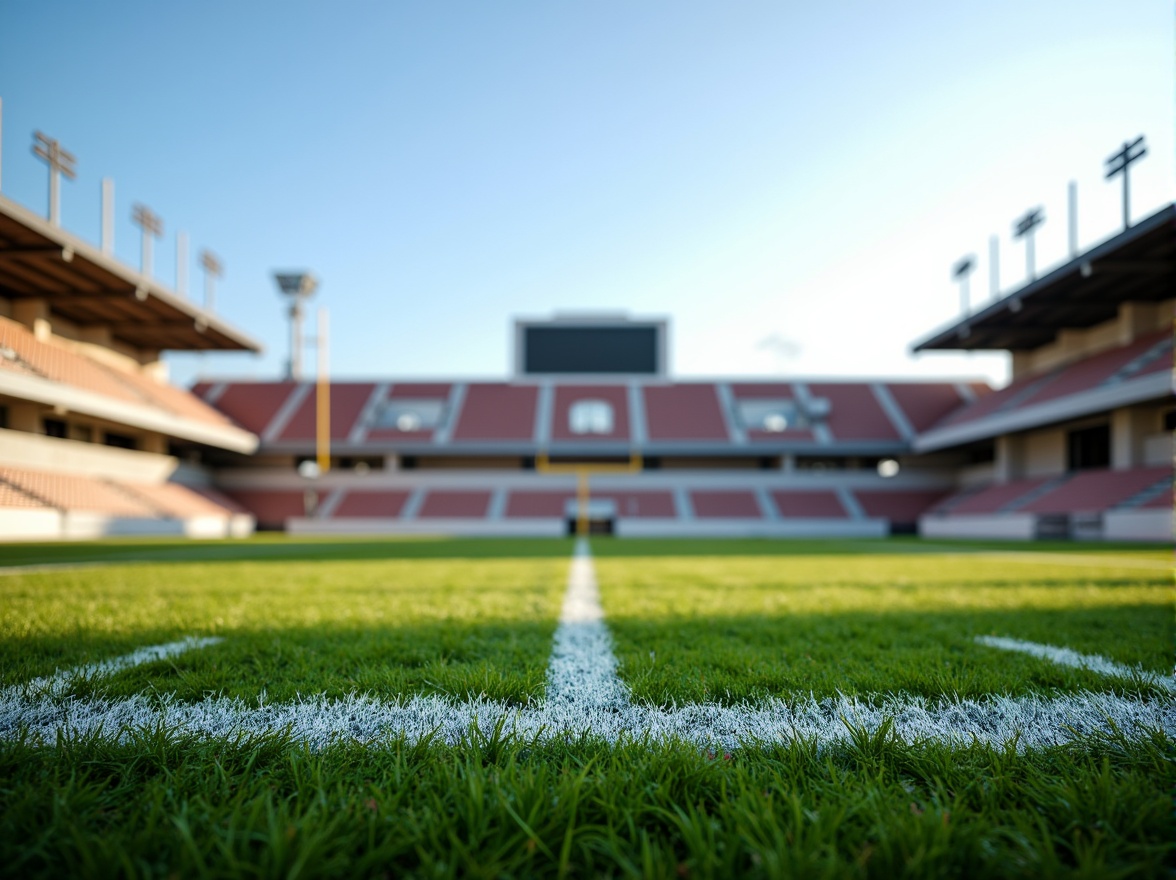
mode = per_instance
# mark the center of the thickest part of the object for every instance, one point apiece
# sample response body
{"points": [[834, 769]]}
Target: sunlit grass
{"points": [[746, 627], [692, 620], [388, 626]]}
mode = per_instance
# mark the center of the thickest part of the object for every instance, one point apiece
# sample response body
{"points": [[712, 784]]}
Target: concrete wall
{"points": [[40, 453], [1133, 320]]}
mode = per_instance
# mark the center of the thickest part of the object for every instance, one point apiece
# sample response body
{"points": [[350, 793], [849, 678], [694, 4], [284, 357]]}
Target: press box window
{"points": [[410, 415], [773, 416], [590, 417]]}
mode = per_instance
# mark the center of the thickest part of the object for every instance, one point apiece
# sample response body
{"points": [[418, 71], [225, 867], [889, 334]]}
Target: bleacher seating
{"points": [[1144, 357], [56, 361], [1097, 490], [799, 504], [720, 504], [496, 411], [684, 412], [44, 504], [897, 505]]}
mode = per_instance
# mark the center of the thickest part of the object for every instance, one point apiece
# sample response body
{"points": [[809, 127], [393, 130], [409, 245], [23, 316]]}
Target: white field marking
{"points": [[59, 683], [585, 697], [582, 671], [1069, 657]]}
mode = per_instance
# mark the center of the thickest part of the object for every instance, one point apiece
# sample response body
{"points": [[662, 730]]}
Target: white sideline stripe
{"points": [[582, 672], [1026, 722], [1069, 657], [59, 683], [584, 697]]}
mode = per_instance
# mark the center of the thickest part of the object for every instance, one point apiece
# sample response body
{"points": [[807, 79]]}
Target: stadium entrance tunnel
{"points": [[604, 525]]}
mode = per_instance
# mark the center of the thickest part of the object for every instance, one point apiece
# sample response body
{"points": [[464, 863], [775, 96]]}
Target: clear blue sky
{"points": [[791, 183]]}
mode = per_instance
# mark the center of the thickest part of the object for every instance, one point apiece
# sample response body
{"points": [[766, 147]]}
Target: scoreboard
{"points": [[590, 346]]}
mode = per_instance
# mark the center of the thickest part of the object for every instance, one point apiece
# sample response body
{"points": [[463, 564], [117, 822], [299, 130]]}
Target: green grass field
{"points": [[725, 623]]}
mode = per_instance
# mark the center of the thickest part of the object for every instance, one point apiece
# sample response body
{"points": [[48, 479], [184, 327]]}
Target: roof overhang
{"points": [[86, 286], [1137, 265]]}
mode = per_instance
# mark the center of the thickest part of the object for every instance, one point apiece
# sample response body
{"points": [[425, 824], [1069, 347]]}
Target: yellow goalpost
{"points": [[583, 470]]}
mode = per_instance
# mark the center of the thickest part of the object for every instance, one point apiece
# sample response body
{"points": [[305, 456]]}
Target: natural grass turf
{"points": [[465, 616], [495, 807], [745, 627], [323, 625]]}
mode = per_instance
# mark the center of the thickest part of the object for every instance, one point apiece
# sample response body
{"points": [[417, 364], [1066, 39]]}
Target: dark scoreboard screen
{"points": [[591, 349]]}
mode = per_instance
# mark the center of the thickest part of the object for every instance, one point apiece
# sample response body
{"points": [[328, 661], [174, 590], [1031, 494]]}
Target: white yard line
{"points": [[584, 697], [582, 671], [60, 682], [1068, 657]]}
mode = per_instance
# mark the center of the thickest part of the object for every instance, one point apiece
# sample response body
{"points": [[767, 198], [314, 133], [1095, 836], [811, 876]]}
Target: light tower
{"points": [[299, 286]]}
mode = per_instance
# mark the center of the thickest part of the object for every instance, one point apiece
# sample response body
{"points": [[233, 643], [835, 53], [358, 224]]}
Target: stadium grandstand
{"points": [[589, 432], [1079, 444], [93, 439]]}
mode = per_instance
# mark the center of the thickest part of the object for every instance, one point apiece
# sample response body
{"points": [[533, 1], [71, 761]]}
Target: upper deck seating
{"points": [[770, 391], [855, 413], [252, 405], [406, 392], [347, 400], [615, 396], [924, 404], [496, 411], [684, 412], [1145, 356], [21, 352]]}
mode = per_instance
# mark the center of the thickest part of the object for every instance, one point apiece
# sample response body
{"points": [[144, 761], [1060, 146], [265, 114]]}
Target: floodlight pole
{"points": [[960, 272], [1023, 228], [107, 215], [994, 266], [212, 270], [299, 286], [60, 162], [1119, 163], [152, 226], [323, 397]]}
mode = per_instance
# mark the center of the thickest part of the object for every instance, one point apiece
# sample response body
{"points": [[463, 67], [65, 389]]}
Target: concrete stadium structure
{"points": [[94, 440]]}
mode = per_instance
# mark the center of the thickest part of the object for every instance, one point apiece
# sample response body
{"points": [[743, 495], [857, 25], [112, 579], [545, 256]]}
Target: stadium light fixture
{"points": [[1119, 163], [960, 272], [213, 269], [299, 287], [152, 227], [60, 162], [1023, 228]]}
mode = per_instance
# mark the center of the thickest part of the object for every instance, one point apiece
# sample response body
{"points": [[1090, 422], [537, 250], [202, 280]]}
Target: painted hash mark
{"points": [[1068, 657], [585, 697]]}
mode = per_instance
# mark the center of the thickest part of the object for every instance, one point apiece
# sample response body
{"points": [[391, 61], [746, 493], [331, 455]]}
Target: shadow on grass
{"points": [[280, 547], [678, 659], [743, 657], [502, 660]]}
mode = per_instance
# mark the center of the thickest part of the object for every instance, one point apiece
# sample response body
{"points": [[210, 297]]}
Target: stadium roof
{"points": [[1137, 265], [84, 285]]}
